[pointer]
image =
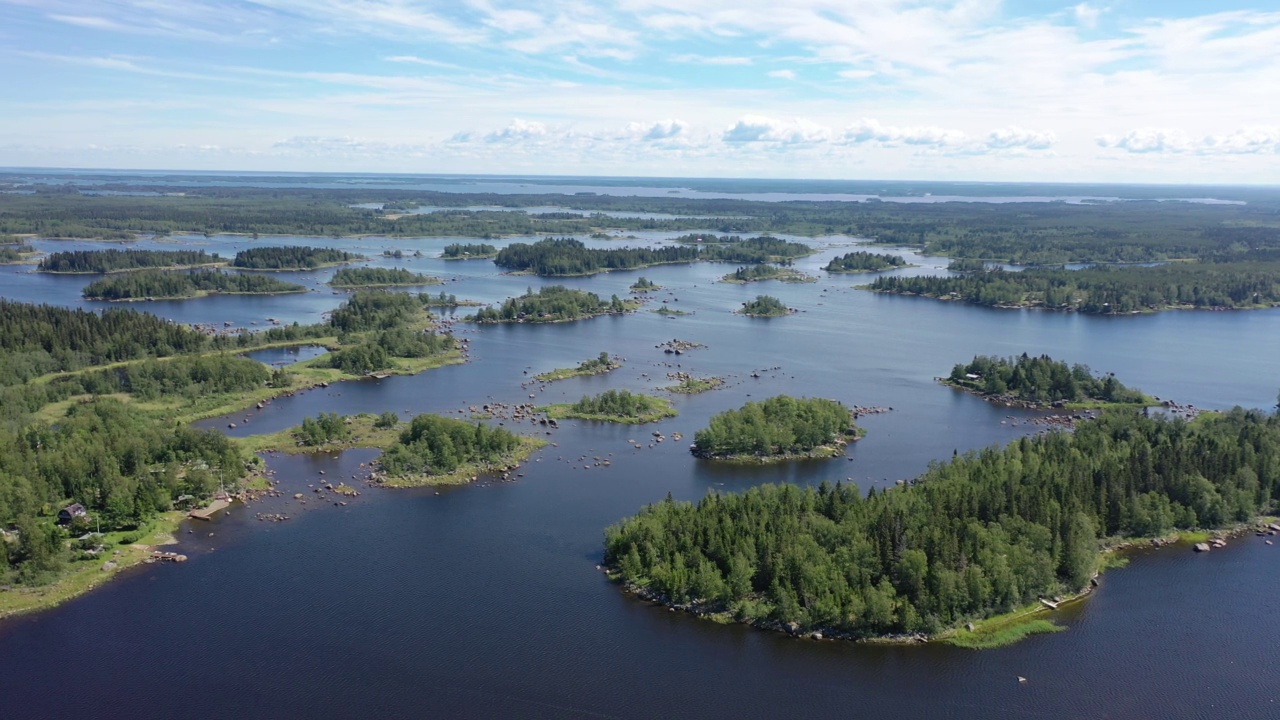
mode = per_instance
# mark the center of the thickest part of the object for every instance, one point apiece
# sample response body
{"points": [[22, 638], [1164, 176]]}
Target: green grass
{"points": [[580, 371], [662, 410], [993, 634], [693, 386]]}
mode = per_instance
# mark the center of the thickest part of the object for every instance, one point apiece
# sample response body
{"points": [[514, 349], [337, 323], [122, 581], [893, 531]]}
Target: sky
{"points": [[1181, 91]]}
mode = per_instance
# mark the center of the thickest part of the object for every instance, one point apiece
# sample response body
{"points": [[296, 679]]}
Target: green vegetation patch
{"points": [[436, 450], [987, 533], [644, 284], [291, 257], [693, 385], [776, 429], [563, 257], [468, 251], [172, 285], [379, 277], [765, 306], [554, 303], [112, 261], [598, 365], [618, 406], [1042, 381], [862, 261], [755, 273], [1106, 290]]}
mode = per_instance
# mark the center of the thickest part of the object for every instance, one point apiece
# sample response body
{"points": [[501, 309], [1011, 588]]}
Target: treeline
{"points": [[178, 284], [1027, 233], [380, 326], [765, 306], [109, 261], [39, 339], [290, 257], [379, 277], [1040, 381], [14, 253], [468, 251], [377, 351], [566, 256], [983, 534], [780, 425], [550, 304], [862, 261], [435, 445], [120, 464], [1106, 290], [620, 404]]}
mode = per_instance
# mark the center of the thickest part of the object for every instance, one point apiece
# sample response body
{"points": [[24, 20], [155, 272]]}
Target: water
{"points": [[484, 601], [287, 355]]}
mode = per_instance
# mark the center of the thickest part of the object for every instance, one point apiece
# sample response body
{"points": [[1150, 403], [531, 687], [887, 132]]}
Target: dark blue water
{"points": [[484, 601]]}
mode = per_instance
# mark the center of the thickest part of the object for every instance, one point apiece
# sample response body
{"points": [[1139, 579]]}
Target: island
{"points": [[427, 450], [668, 311], [291, 257], [178, 285], [1105, 290], [447, 300], [616, 406], [687, 384], [379, 277], [765, 306], [754, 273], [567, 257], [778, 429], [101, 262], [554, 303], [468, 251], [15, 252], [862, 262], [1041, 382], [1033, 522], [644, 284], [598, 365]]}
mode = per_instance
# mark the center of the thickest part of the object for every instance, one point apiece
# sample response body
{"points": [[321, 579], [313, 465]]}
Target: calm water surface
{"points": [[484, 601]]}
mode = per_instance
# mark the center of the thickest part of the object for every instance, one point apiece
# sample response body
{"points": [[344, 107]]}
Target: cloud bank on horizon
{"points": [[1120, 90]]}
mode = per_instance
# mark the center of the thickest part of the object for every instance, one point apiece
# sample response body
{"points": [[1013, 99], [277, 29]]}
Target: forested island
{"points": [[755, 273], [1042, 382], [778, 429], [554, 303], [468, 251], [180, 285], [1106, 290], [291, 257], [765, 306], [567, 257], [987, 533], [618, 406], [862, 261], [370, 277], [447, 300], [101, 262], [12, 253], [598, 365], [643, 285], [690, 385]]}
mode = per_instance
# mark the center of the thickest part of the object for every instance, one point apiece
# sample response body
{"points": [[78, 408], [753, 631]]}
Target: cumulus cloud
{"points": [[1253, 140], [761, 129], [518, 130], [1018, 137], [661, 130], [868, 130], [1148, 140]]}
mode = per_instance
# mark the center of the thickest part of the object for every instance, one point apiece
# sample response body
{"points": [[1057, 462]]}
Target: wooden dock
{"points": [[207, 513]]}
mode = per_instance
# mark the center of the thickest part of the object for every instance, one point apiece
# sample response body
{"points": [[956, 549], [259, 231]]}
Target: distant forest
{"points": [[184, 284], [290, 258], [112, 260]]}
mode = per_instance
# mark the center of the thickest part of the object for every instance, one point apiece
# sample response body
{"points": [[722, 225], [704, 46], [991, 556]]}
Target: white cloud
{"points": [[661, 130], [782, 74], [518, 130], [762, 129], [1148, 140], [1017, 137], [1253, 140], [711, 59], [1087, 15], [868, 130]]}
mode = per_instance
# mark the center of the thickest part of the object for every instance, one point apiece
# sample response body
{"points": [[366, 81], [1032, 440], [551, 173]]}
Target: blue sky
{"points": [[1130, 90]]}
